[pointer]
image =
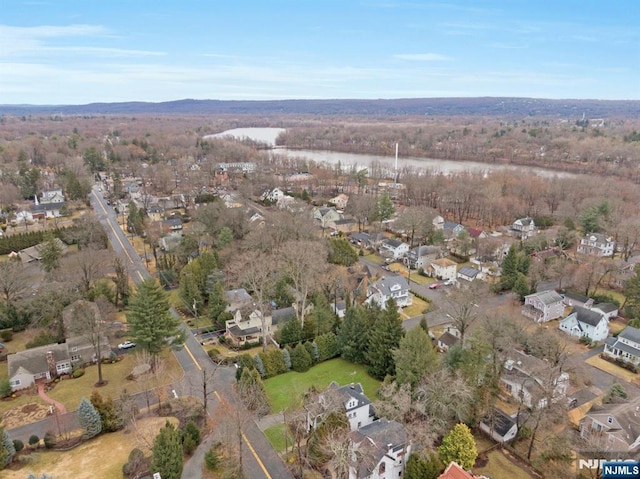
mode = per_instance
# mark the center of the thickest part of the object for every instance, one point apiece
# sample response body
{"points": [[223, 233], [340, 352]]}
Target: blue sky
{"points": [[75, 52]]}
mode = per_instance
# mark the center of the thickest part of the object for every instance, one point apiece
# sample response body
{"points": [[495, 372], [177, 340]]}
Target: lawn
{"points": [[88, 460], [613, 369], [287, 389], [417, 308], [275, 435], [70, 391], [500, 466]]}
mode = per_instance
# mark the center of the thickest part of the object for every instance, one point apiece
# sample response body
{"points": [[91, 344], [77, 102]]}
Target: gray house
{"points": [[543, 306], [421, 256], [395, 287]]}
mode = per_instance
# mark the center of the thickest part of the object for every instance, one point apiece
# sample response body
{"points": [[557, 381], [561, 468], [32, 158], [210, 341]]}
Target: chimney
{"points": [[51, 363]]}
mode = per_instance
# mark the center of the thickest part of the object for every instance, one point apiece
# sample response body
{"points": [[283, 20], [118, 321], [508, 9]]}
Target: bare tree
{"points": [[85, 267], [13, 280], [86, 320], [463, 309], [416, 222]]}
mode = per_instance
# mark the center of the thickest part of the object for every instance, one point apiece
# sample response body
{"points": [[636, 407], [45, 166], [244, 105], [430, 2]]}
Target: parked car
{"points": [[126, 345], [449, 282], [435, 285], [386, 268]]}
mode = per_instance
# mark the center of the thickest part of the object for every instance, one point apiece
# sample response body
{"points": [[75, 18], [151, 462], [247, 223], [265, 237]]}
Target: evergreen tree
{"points": [[286, 356], [109, 414], [421, 467], [521, 286], [384, 337], [150, 320], [217, 303], [353, 334], [632, 293], [167, 453], [7, 449], [290, 332], [459, 446], [225, 237], [509, 269], [301, 360], [50, 253], [89, 419], [259, 365], [384, 208], [415, 357]]}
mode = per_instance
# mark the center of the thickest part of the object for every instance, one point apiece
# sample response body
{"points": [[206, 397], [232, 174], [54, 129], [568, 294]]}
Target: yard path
{"points": [[59, 406]]}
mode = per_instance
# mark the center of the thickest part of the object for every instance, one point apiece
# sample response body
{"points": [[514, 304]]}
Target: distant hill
{"points": [[485, 106]]}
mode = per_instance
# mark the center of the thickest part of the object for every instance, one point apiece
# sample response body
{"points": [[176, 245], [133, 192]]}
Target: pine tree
{"points": [[150, 320], [521, 286], [632, 293], [50, 253], [286, 356], [459, 446], [300, 359], [166, 456], [111, 420], [415, 357], [217, 302], [353, 334], [259, 365], [384, 337], [89, 419], [509, 269], [7, 449]]}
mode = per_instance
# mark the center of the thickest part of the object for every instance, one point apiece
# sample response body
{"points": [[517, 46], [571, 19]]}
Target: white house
{"points": [[625, 347], [350, 398], [597, 244], [499, 425], [523, 228], [421, 256], [583, 322], [543, 306], [340, 201], [393, 248], [438, 223], [273, 195], [395, 287], [608, 310], [385, 448], [444, 268], [52, 196], [467, 273]]}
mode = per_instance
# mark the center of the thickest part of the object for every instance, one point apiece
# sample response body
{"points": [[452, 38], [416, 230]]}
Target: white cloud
{"points": [[422, 57]]}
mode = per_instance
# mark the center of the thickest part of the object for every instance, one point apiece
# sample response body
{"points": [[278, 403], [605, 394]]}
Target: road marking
{"points": [[114, 230], [253, 451], [140, 274], [192, 357]]}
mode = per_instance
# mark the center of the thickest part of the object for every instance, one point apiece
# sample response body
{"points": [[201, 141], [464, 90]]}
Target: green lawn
{"points": [[275, 435], [501, 467], [287, 389]]}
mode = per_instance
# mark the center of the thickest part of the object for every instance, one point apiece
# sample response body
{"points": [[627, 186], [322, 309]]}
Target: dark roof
{"points": [[468, 271], [354, 391], [382, 436], [394, 243], [448, 339], [499, 422], [424, 250], [587, 316], [630, 333], [34, 360], [46, 207], [240, 333], [547, 297], [576, 296], [386, 283], [282, 315], [606, 307], [344, 221], [172, 222], [614, 343]]}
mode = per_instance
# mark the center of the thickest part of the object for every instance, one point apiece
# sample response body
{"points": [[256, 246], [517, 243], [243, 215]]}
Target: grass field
{"points": [[275, 435], [87, 461], [287, 389], [417, 307], [613, 369], [501, 467]]}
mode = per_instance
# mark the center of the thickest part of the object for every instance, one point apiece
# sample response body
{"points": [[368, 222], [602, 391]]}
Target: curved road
{"points": [[259, 458]]}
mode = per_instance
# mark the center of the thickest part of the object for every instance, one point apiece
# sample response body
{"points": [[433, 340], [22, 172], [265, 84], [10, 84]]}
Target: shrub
{"points": [[6, 335], [273, 362], [50, 440], [34, 440], [259, 366], [43, 338], [78, 373], [301, 359], [5, 388], [18, 445], [136, 464], [212, 458]]}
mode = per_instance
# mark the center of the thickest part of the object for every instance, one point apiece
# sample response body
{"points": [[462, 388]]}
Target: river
{"points": [[447, 167]]}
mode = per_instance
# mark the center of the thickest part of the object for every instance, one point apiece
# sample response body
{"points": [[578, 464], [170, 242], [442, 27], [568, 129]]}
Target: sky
{"points": [[55, 52]]}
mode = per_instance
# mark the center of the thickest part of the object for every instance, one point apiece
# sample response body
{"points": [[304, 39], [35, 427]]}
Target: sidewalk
{"points": [[271, 420]]}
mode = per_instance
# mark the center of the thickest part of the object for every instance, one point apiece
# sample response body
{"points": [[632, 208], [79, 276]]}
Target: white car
{"points": [[126, 345], [449, 282]]}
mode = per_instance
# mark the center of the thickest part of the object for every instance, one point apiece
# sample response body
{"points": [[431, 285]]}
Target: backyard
{"points": [[496, 463], [287, 389]]}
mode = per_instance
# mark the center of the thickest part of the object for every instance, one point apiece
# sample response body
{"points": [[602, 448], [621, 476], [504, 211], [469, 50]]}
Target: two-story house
{"points": [[172, 225], [523, 228], [616, 426], [444, 268], [543, 306], [385, 448], [326, 217], [625, 347], [52, 196], [340, 201], [597, 244], [272, 195], [583, 322], [349, 398], [421, 256], [393, 248], [532, 381], [451, 229], [395, 287]]}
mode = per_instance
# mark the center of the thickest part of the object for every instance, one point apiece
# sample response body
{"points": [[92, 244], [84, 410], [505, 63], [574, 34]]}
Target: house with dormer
{"points": [[523, 228], [586, 323], [597, 244], [543, 306], [52, 196], [626, 347], [350, 398], [617, 425], [421, 256], [393, 248], [388, 287], [384, 448]]}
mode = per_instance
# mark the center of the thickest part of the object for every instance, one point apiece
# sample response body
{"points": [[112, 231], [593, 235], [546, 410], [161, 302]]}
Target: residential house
{"points": [[47, 210], [476, 233], [23, 216], [608, 310], [597, 244], [546, 254], [582, 322], [523, 228], [385, 446], [170, 242], [448, 339], [350, 398], [326, 217], [625, 347], [438, 223], [468, 274], [340, 201], [273, 195], [499, 426], [617, 425], [34, 253], [543, 306], [455, 471], [52, 196], [393, 248], [452, 229], [339, 308], [443, 268], [51, 360], [531, 380], [172, 225], [236, 299], [421, 256], [361, 240], [346, 225], [246, 326], [395, 287], [572, 298], [155, 212]]}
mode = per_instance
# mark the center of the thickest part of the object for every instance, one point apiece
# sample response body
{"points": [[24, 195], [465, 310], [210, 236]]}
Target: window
{"points": [[15, 382], [75, 357], [609, 420], [382, 468]]}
